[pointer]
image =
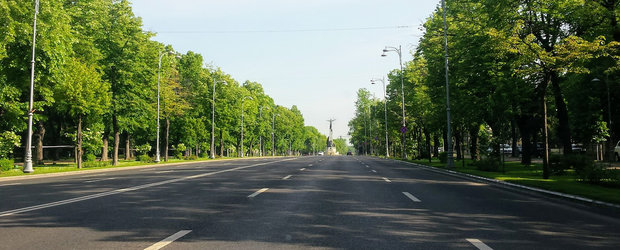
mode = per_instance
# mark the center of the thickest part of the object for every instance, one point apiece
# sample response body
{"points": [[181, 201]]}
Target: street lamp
{"points": [[161, 55], [212, 155], [373, 81], [402, 88], [450, 163], [28, 157], [243, 99]]}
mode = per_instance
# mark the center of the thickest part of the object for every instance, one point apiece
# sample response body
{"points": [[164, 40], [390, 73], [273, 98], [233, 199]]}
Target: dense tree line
{"points": [[512, 63], [96, 78]]}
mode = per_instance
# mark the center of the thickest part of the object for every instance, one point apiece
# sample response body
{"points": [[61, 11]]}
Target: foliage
{"points": [[143, 149], [489, 164], [443, 157], [90, 157], [8, 141], [145, 158], [6, 164]]}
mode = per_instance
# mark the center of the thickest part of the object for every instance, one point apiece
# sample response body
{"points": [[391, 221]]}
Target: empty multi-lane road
{"points": [[289, 203]]}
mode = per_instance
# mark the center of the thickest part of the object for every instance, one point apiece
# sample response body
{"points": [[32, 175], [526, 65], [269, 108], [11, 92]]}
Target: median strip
{"points": [[168, 240]]}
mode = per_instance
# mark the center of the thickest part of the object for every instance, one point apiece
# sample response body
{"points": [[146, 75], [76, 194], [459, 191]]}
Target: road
{"points": [[289, 203]]}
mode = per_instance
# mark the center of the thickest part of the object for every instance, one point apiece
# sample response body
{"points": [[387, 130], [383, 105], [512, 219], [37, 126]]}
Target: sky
{"points": [[315, 54]]}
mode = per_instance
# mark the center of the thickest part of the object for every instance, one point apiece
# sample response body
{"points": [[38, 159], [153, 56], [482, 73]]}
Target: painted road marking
{"points": [[302, 169], [309, 165], [258, 192], [10, 184], [166, 241], [479, 244], [374, 171], [95, 175], [98, 180], [162, 172], [410, 196], [286, 177], [129, 189], [386, 179]]}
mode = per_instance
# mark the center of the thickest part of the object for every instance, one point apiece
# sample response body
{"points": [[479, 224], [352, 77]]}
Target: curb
{"points": [[513, 185], [113, 169]]}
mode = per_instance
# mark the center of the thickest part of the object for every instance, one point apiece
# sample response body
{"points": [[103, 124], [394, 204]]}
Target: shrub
{"points": [[443, 157], [96, 164], [179, 150], [6, 164], [8, 141], [145, 158], [557, 164], [143, 149], [90, 158], [490, 164]]}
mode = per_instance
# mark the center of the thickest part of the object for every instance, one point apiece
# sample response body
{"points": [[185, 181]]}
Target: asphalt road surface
{"points": [[290, 203]]}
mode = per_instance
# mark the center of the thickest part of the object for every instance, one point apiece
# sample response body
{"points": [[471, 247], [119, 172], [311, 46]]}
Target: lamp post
{"points": [[450, 163], [28, 157], [402, 90], [273, 130], [243, 99], [161, 55], [611, 145], [212, 155], [373, 81]]}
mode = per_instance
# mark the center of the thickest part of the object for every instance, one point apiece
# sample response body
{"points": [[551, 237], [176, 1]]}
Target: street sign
{"points": [[403, 129]]}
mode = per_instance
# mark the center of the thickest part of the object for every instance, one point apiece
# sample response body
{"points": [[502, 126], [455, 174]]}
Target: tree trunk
{"points": [[436, 145], [80, 152], [473, 148], [515, 149], [104, 149], [117, 140], [127, 147], [166, 139], [427, 135], [221, 143], [562, 115], [39, 149], [457, 145]]}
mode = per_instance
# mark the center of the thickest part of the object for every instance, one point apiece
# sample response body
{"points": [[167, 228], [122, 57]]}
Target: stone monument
{"points": [[331, 148]]}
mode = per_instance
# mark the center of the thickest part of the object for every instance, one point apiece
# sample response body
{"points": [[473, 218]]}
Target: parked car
{"points": [[577, 148], [507, 149], [617, 151], [349, 153], [320, 153]]}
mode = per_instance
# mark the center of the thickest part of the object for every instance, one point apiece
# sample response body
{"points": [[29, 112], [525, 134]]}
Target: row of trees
{"points": [[96, 88], [514, 67]]}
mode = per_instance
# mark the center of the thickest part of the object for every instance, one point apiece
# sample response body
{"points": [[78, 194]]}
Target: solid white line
{"points": [[258, 192], [129, 189], [161, 172], [302, 169], [373, 171], [11, 184], [95, 175], [410, 196], [386, 179], [286, 177], [479, 244], [91, 181], [166, 241]]}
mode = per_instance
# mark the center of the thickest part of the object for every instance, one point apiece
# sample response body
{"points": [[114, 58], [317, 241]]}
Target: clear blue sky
{"points": [[314, 54]]}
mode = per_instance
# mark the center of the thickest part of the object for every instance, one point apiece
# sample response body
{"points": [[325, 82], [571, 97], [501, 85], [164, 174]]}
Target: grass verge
{"points": [[531, 176]]}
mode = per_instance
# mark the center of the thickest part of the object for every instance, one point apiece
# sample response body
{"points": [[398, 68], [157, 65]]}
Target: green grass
{"points": [[71, 167], [532, 176]]}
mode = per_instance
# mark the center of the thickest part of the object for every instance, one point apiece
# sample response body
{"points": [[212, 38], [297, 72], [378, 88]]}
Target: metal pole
{"points": [[260, 134], [212, 155], [242, 127], [449, 132], [402, 89], [273, 141], [157, 152], [28, 157]]}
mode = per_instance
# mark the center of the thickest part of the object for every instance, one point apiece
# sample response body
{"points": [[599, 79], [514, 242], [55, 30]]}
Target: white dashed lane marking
{"points": [[166, 241], [479, 244], [410, 196], [258, 192]]}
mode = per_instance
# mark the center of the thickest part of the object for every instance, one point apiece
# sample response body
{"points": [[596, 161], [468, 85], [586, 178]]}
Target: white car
{"points": [[320, 153]]}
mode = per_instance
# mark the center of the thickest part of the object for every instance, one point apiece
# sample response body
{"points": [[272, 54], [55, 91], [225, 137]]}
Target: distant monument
{"points": [[331, 148]]}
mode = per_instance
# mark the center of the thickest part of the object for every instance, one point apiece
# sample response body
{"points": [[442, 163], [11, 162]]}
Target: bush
{"points": [[490, 164], [145, 159], [143, 149], [443, 157], [6, 164], [96, 164], [8, 142], [558, 164], [179, 150], [90, 158]]}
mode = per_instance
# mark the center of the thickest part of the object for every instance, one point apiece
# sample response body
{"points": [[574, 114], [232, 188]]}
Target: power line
{"points": [[285, 30]]}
